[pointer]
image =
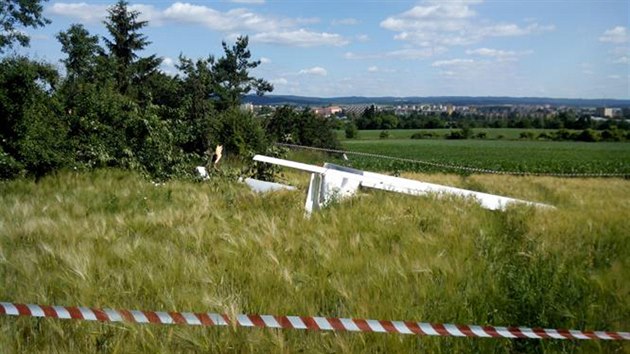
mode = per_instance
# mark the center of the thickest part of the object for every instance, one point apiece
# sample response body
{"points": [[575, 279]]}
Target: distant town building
{"points": [[247, 107], [607, 112], [327, 111], [603, 112]]}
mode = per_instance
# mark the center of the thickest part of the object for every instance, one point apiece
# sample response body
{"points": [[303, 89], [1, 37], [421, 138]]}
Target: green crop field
{"points": [[520, 156], [113, 239]]}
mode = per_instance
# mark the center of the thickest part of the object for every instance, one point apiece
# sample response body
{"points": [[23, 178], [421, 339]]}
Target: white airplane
{"points": [[334, 182]]}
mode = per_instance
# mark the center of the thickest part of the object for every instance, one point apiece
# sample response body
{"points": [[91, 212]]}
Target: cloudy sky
{"points": [[555, 48]]}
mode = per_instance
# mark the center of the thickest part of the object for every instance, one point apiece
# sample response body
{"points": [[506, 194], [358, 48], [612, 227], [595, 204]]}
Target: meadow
{"points": [[114, 239], [518, 156]]}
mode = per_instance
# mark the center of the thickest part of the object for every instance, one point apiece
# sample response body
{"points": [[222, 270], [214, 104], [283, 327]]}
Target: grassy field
{"points": [[524, 156], [492, 133], [113, 239]]}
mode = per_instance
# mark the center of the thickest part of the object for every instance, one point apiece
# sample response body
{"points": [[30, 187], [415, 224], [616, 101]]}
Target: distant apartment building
{"points": [[327, 111], [247, 107], [607, 112]]}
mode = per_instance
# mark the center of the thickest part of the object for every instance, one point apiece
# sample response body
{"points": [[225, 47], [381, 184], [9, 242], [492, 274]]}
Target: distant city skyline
{"points": [[568, 49]]}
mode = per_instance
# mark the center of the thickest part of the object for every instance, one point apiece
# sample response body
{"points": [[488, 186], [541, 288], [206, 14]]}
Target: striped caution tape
{"points": [[300, 322], [454, 167]]}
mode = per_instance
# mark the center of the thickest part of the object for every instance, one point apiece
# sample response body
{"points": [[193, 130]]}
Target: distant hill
{"points": [[456, 100]]}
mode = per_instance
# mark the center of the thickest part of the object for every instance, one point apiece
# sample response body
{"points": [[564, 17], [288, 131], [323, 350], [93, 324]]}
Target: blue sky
{"points": [[572, 49]]}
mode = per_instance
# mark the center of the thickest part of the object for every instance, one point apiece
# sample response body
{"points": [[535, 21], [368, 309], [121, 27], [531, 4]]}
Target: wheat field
{"points": [[114, 239]]}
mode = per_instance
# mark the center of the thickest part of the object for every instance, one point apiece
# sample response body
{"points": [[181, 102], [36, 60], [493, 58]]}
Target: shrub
{"points": [[9, 167], [456, 135], [239, 132], [384, 134], [481, 135], [527, 136], [588, 135], [424, 135], [352, 132]]}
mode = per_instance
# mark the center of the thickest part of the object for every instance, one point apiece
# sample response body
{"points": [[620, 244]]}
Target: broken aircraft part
{"points": [[264, 186], [334, 182]]}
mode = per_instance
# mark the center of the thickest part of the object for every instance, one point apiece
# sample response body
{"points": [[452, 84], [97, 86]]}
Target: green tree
{"points": [[82, 51], [351, 130], [283, 126], [15, 14], [31, 131], [231, 75], [123, 26], [197, 116]]}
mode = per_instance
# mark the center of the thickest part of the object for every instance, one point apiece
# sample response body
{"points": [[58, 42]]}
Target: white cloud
{"points": [[498, 54], [407, 53], [264, 60], [280, 81], [363, 38], [452, 62], [168, 66], [81, 11], [316, 70], [614, 77], [300, 38], [93, 13], [346, 22], [248, 1], [622, 60], [451, 23], [372, 69], [412, 53], [231, 21], [168, 61], [617, 34]]}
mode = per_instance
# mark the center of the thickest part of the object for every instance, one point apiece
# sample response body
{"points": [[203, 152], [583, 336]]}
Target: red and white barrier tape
{"points": [[299, 322]]}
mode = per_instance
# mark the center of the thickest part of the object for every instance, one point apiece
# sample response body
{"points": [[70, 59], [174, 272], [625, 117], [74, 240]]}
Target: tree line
{"points": [[116, 108], [372, 119]]}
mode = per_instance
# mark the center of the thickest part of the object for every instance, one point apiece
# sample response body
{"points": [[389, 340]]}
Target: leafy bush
{"points": [[455, 135], [239, 132], [31, 131], [351, 130], [425, 135], [384, 134], [481, 135], [527, 136], [588, 135], [9, 167]]}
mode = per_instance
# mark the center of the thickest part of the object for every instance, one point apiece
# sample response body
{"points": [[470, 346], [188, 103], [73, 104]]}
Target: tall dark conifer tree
{"points": [[123, 26]]}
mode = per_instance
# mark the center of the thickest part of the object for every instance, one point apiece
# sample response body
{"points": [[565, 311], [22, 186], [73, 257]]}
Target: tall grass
{"points": [[113, 239]]}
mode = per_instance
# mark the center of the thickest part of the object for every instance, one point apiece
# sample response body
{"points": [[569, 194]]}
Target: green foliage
{"points": [[481, 135], [231, 75], [126, 40], [286, 125], [351, 130], [457, 135], [15, 14], [9, 166], [425, 135], [240, 133], [82, 50], [316, 130], [283, 125], [527, 136], [384, 134], [588, 135], [31, 129]]}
